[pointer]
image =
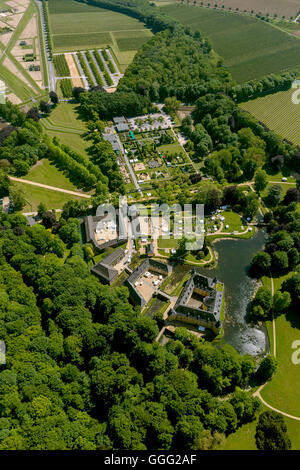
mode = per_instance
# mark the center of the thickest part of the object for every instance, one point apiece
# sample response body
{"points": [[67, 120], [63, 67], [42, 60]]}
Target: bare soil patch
{"points": [[76, 81], [15, 19], [12, 68], [30, 30], [139, 167], [5, 38], [13, 98]]}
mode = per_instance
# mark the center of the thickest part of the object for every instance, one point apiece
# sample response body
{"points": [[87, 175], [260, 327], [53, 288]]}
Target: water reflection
{"points": [[234, 260]]}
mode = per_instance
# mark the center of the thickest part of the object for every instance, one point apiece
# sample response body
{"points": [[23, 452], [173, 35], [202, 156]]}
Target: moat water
{"points": [[234, 258]]}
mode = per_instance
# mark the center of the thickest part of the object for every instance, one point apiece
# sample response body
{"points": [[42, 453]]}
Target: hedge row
{"points": [[48, 30], [94, 68], [85, 69], [103, 68]]}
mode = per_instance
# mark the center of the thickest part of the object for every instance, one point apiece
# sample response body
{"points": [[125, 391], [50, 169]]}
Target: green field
{"points": [[78, 26], [279, 113], [65, 124], [280, 7], [243, 438], [283, 391], [45, 172], [233, 220], [250, 47], [35, 195], [66, 115]]}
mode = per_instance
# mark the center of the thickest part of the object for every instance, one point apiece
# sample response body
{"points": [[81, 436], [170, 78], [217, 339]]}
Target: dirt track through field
{"points": [[53, 188]]}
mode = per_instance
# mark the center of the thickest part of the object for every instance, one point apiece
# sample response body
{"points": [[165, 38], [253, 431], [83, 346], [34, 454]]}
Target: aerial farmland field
{"points": [[287, 8], [77, 26], [250, 47], [22, 61], [279, 113]]}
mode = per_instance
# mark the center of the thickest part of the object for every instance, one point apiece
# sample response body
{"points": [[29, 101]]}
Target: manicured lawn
{"points": [[35, 195], [229, 235], [283, 391], [278, 112], [233, 220], [244, 437], [66, 115], [167, 243], [65, 123], [45, 172], [250, 47], [170, 148], [74, 141]]}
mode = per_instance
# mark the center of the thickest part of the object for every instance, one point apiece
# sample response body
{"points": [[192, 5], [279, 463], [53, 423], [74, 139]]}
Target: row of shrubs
{"points": [[103, 68], [109, 62], [85, 69], [94, 69], [61, 66], [66, 87]]}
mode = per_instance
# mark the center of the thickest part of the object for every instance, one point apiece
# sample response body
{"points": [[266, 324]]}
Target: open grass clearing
{"points": [[35, 195], [233, 220], [283, 391], [67, 115], [74, 141], [244, 437], [45, 172]]}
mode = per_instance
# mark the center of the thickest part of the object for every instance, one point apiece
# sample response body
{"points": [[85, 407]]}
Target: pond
{"points": [[234, 258]]}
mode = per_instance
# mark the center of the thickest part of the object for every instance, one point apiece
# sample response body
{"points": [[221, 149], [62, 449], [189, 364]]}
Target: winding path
{"points": [[53, 188], [257, 393]]}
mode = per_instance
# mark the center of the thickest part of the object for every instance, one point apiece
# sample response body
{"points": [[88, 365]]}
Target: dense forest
{"points": [[83, 370]]}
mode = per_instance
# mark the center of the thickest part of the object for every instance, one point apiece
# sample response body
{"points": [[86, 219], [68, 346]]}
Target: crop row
{"points": [[94, 69], [110, 65], [66, 87], [102, 68], [85, 69], [61, 66]]}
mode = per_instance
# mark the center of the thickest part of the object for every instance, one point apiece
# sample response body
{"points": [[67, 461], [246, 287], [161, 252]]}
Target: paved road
{"points": [[136, 184], [53, 188]]}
